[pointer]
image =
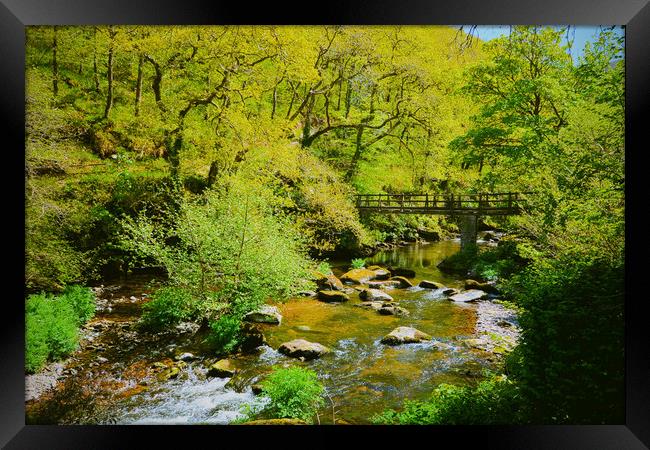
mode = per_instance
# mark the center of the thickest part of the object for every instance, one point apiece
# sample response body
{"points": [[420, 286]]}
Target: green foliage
{"points": [[571, 360], [324, 268], [82, 300], [358, 263], [294, 393], [52, 323], [225, 333], [227, 251], [495, 401], [168, 307]]}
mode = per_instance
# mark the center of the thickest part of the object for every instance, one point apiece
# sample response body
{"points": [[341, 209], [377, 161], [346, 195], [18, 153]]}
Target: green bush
{"points": [[294, 393], [168, 306], [51, 330], [225, 333], [227, 253], [571, 359], [358, 263], [324, 268], [494, 401], [82, 301]]}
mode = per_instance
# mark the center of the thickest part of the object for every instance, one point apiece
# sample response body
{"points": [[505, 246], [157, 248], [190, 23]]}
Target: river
{"points": [[118, 376]]}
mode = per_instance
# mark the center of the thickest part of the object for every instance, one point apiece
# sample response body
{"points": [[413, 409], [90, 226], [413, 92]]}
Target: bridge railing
{"points": [[482, 203]]}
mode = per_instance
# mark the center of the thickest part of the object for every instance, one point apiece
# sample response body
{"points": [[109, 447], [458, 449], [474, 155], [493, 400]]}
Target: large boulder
{"points": [[426, 284], [264, 314], [472, 284], [375, 295], [222, 369], [468, 296], [300, 348], [328, 282], [358, 276], [403, 282], [405, 335], [333, 296]]}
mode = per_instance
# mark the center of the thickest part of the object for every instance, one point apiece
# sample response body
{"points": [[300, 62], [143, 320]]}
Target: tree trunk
{"points": [[293, 98], [348, 99], [138, 86], [109, 76], [275, 100], [306, 130], [95, 73], [55, 64], [157, 83], [357, 155]]}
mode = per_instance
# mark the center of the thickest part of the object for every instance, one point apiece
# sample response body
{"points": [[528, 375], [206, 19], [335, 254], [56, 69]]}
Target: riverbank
{"points": [[130, 376]]}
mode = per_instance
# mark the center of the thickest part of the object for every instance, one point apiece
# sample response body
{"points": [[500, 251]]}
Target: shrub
{"points": [[570, 362], [225, 333], [51, 330], [227, 252], [168, 307], [82, 301], [324, 268], [358, 263], [294, 393], [493, 401]]}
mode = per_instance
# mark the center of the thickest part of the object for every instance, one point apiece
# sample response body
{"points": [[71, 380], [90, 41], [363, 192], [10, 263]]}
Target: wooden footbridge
{"points": [[468, 206]]}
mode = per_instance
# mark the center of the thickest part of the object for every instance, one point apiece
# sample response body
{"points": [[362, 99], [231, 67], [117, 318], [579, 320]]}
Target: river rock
{"points": [[306, 294], [222, 369], [375, 295], [450, 291], [328, 282], [333, 296], [358, 276], [473, 284], [264, 314], [300, 348], [257, 388], [187, 356], [426, 284], [380, 272], [401, 272], [392, 310], [468, 296], [388, 284], [405, 335], [276, 422], [376, 305], [403, 282], [252, 338]]}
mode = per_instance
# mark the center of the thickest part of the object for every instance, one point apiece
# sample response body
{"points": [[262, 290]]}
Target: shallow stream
{"points": [[114, 377]]}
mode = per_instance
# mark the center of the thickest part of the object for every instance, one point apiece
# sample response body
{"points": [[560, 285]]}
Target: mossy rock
{"points": [[223, 368], [403, 282], [358, 276], [405, 335], [333, 296], [486, 287]]}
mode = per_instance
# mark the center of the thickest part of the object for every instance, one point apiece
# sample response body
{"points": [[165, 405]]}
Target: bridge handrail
{"points": [[484, 201]]}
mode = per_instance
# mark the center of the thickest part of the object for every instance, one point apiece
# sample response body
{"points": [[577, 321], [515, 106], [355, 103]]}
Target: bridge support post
{"points": [[468, 230]]}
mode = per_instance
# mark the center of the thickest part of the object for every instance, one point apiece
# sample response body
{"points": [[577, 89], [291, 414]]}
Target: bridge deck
{"points": [[485, 204]]}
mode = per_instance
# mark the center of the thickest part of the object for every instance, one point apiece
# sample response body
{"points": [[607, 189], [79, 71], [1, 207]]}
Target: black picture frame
{"points": [[16, 14]]}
